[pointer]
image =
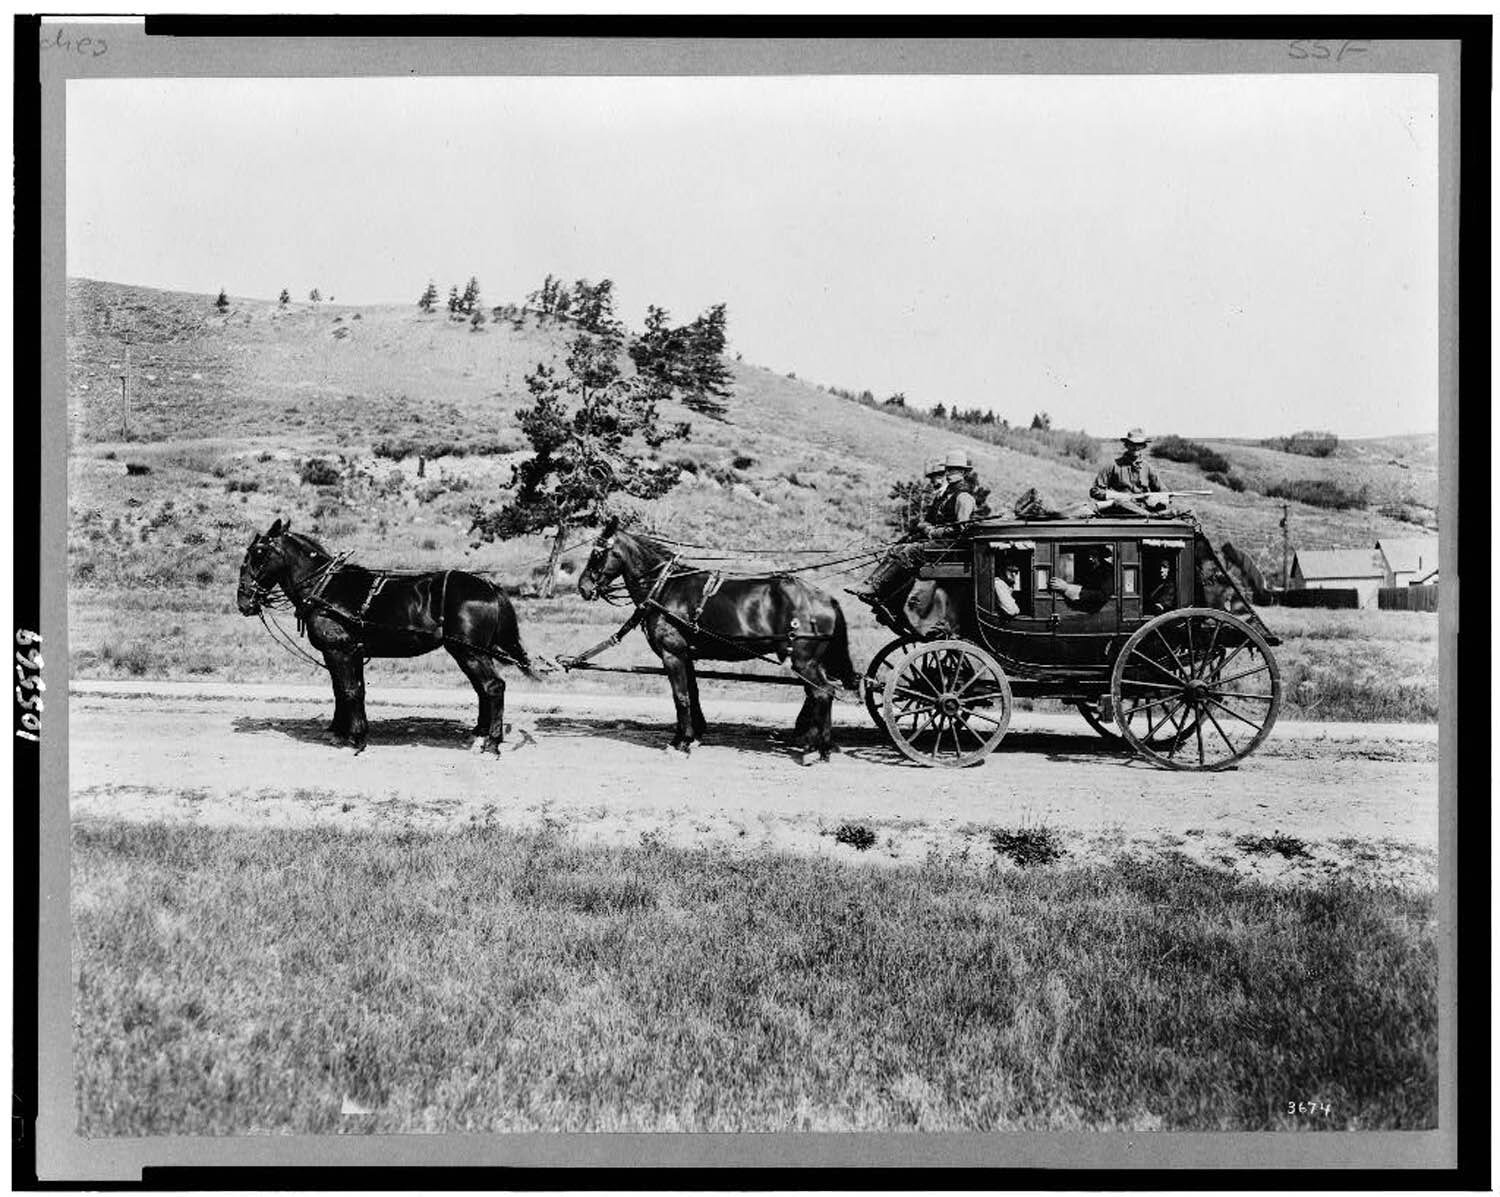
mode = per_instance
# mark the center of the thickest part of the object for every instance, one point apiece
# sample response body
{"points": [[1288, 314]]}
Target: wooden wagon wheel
{"points": [[1195, 689], [877, 672], [947, 703]]}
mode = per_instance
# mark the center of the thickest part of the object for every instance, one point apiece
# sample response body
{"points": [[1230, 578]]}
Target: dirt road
{"points": [[1356, 796]]}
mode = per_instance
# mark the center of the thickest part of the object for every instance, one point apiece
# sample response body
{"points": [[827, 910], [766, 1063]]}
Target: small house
{"points": [[1408, 562], [1360, 570]]}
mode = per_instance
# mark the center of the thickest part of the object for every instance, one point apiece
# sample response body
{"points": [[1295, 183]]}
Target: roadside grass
{"points": [[232, 981]]}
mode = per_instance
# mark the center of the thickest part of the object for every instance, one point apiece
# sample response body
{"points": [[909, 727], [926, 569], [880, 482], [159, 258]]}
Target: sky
{"points": [[1233, 255]]}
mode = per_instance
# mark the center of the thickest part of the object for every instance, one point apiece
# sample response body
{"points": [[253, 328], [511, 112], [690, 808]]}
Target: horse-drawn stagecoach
{"points": [[1124, 617], [1146, 650]]}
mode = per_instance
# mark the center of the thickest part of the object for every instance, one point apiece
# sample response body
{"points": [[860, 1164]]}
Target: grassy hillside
{"points": [[224, 410]]}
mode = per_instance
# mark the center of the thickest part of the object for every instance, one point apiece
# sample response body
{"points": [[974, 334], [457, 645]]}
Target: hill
{"points": [[309, 412], [792, 465]]}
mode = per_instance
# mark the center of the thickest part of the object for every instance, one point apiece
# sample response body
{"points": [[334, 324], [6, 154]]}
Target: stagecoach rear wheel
{"points": [[1195, 689], [947, 703], [878, 671]]}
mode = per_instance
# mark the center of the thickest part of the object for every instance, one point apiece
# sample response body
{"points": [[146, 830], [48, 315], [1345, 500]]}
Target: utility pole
{"points": [[124, 399], [1285, 535]]}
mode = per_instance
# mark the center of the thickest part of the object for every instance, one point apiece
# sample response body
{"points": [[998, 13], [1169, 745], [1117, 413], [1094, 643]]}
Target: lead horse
{"points": [[352, 613], [689, 613]]}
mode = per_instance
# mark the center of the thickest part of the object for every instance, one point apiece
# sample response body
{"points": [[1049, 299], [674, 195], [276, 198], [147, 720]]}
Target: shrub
{"points": [[1319, 492], [241, 485], [743, 462], [1027, 846], [1233, 481], [1308, 444], [317, 471], [135, 468], [1176, 448], [857, 835]]}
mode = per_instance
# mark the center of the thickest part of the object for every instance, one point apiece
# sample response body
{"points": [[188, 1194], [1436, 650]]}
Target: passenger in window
{"points": [[1093, 582], [1007, 582], [1163, 594]]}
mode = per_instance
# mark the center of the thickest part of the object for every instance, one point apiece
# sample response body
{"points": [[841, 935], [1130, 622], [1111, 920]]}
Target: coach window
{"points": [[1013, 576]]}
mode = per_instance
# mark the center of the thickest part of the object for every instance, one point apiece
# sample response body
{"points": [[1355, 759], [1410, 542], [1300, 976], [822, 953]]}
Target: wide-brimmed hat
{"points": [[957, 459], [1135, 436], [934, 467]]}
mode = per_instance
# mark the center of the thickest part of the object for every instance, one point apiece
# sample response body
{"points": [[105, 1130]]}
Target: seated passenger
{"points": [[1163, 595], [1094, 583], [1007, 582]]}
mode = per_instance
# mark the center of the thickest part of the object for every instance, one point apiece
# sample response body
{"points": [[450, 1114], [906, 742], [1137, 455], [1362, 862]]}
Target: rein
{"points": [[650, 603]]}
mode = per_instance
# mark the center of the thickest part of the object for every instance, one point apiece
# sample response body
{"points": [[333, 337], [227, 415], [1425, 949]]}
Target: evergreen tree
{"points": [[429, 297], [286, 297], [222, 303], [686, 362], [453, 299], [315, 295], [470, 296], [940, 412], [1041, 421], [586, 427], [476, 320]]}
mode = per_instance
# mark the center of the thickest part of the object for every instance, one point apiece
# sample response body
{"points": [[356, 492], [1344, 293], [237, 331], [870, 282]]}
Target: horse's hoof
{"points": [[358, 748], [808, 757], [476, 744]]}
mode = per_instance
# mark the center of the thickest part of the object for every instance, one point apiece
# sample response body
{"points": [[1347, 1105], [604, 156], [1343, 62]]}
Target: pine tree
{"points": [[285, 298], [222, 303], [586, 427], [453, 299], [686, 362], [315, 295], [470, 296], [429, 297]]}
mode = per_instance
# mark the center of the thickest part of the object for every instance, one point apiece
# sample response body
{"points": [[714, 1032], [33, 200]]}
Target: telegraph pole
{"points": [[1285, 535], [124, 399]]}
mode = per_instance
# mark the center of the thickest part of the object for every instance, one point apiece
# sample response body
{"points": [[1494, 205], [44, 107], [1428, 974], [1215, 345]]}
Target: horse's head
{"points": [[605, 562], [262, 568]]}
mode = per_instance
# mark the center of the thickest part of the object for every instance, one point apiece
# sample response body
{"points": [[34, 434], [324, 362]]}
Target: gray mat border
{"points": [[129, 53]]}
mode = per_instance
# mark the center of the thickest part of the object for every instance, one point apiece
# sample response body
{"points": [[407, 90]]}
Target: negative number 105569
{"points": [[29, 684]]}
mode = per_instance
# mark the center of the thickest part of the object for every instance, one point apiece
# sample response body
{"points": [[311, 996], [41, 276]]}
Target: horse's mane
{"points": [[653, 550], [307, 542]]}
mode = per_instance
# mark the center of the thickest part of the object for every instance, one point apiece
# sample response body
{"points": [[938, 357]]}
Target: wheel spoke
{"points": [[1155, 702], [1233, 751], [1137, 683], [1212, 642], [1231, 711], [964, 689], [1246, 697], [914, 695], [986, 717], [1176, 677], [1224, 681], [1198, 727], [1224, 664], [1175, 659], [1178, 739]]}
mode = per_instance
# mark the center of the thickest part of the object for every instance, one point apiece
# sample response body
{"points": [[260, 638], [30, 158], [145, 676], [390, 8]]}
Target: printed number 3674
{"points": [[1309, 1107]]}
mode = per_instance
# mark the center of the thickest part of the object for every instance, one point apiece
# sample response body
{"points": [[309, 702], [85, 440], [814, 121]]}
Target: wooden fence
{"points": [[1408, 598], [1338, 597]]}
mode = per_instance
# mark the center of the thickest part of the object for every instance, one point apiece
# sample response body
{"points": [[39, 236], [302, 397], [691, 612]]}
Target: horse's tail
{"points": [[836, 661], [507, 646]]}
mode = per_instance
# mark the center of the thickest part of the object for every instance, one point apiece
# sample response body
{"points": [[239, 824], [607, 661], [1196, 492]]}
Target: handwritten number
{"points": [[26, 637], [1303, 49]]}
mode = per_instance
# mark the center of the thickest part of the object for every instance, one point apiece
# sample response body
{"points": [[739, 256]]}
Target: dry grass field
{"points": [[240, 981]]}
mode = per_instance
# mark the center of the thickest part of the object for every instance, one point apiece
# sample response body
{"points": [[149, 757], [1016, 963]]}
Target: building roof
{"points": [[1337, 563], [1415, 555]]}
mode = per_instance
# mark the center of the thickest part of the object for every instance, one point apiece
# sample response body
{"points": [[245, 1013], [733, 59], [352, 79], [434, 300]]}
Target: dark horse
{"points": [[690, 613], [352, 613]]}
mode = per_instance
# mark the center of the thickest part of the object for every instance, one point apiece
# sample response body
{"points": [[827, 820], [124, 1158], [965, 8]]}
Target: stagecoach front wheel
{"points": [[947, 703], [878, 672], [1195, 689]]}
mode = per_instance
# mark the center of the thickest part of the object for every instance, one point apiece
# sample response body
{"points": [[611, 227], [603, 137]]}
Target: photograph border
{"points": [[50, 1150]]}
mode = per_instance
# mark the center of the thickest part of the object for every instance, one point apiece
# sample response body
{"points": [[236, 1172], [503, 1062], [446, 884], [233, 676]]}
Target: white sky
{"points": [[1210, 255]]}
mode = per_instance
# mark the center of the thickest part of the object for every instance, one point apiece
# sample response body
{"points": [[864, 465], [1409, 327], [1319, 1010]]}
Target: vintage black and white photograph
{"points": [[763, 601]]}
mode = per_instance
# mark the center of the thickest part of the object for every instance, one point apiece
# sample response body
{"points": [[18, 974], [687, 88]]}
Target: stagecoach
{"points": [[1152, 657]]}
